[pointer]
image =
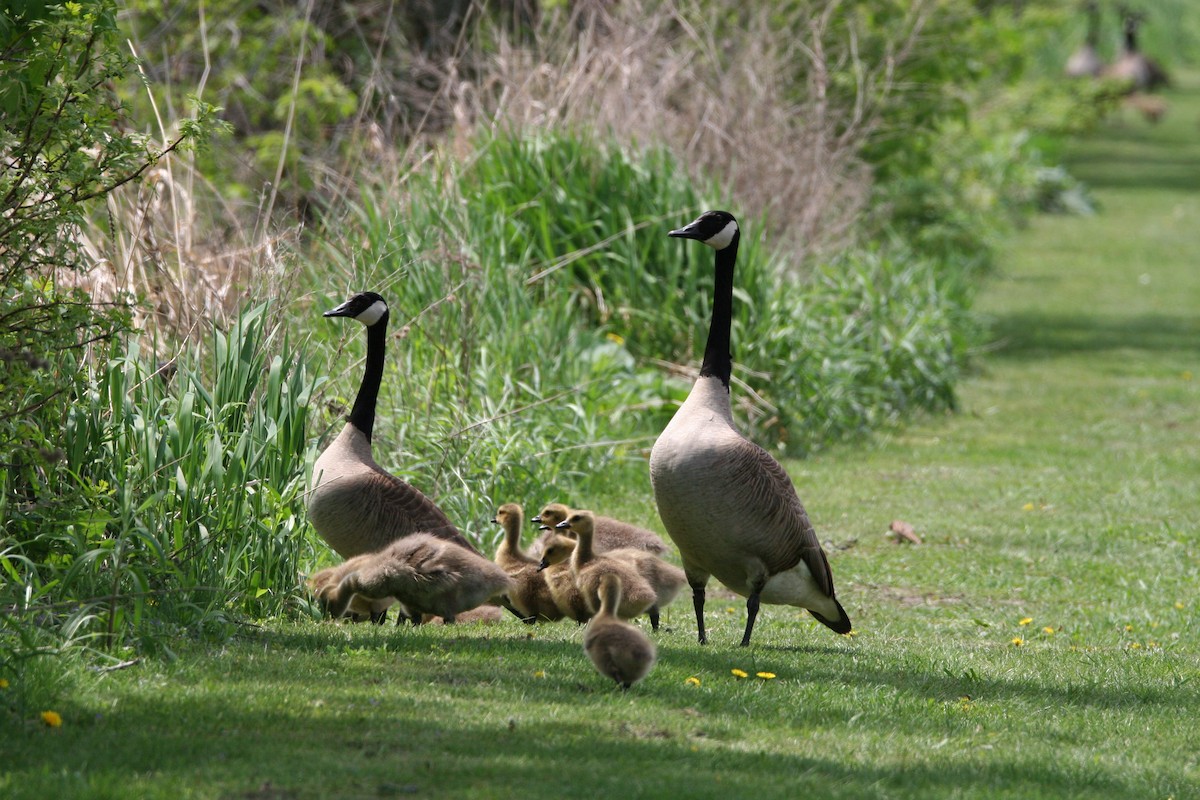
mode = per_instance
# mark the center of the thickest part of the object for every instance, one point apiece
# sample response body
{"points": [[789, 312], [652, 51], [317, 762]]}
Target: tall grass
{"points": [[177, 502]]}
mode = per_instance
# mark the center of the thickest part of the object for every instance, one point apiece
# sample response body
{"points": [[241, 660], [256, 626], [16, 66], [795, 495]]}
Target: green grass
{"points": [[1064, 491]]}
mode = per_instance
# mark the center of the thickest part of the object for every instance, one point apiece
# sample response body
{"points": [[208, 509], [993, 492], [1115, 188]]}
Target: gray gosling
{"points": [[610, 534], [355, 505], [531, 596], [667, 580], [618, 650], [427, 574], [556, 567], [360, 609], [588, 567]]}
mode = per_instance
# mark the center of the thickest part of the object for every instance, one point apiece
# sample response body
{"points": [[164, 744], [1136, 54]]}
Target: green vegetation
{"points": [[1057, 510], [507, 183]]}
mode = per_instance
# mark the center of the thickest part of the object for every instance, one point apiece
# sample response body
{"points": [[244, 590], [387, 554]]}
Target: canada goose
{"points": [[555, 567], [360, 608], [356, 505], [730, 507], [426, 573], [1085, 62], [666, 580], [531, 596], [619, 650], [588, 567], [1133, 68], [610, 534]]}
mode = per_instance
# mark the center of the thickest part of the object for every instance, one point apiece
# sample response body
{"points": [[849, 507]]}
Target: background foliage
{"points": [[506, 179]]}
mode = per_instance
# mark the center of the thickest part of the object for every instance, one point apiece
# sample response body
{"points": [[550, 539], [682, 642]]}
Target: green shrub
{"points": [[186, 496]]}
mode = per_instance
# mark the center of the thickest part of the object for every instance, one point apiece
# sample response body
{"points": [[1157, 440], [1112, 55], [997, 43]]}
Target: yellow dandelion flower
{"points": [[52, 718], [1025, 620], [541, 673], [1048, 630], [1135, 646], [766, 676], [739, 673], [1027, 507], [1187, 375], [1128, 628], [850, 634], [615, 338], [1179, 605], [1017, 641], [3, 683], [693, 681]]}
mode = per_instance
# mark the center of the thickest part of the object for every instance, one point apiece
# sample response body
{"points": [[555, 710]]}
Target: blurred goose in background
{"points": [[1133, 68], [1086, 62]]}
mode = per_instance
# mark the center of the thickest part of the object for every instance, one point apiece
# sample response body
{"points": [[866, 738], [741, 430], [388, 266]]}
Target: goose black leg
{"points": [[652, 612], [752, 603], [698, 604]]}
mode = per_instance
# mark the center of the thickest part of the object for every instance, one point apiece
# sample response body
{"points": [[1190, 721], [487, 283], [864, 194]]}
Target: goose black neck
{"points": [[362, 415], [718, 358]]}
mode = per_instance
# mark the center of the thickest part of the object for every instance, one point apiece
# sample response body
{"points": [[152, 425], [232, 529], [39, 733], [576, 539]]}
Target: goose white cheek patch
{"points": [[373, 313], [721, 240]]}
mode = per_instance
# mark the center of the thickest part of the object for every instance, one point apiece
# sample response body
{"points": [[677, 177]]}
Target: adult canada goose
{"points": [[619, 650], [588, 567], [555, 567], [1086, 62], [1133, 68], [428, 574], [665, 579], [730, 508], [610, 534], [531, 596], [355, 504]]}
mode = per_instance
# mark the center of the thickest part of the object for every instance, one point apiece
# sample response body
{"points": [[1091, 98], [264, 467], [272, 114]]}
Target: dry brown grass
{"points": [[746, 104]]}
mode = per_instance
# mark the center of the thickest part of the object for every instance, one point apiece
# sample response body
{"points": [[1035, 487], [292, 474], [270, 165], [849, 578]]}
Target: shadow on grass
{"points": [[1037, 334]]}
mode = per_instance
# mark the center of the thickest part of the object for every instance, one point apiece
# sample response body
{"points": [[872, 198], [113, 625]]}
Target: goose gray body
{"points": [[354, 504], [728, 505]]}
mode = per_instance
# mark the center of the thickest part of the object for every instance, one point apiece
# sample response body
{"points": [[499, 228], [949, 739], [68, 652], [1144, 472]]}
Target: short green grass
{"points": [[1042, 642]]}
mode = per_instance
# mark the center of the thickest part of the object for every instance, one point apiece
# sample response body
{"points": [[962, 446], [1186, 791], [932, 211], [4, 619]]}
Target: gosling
{"points": [[587, 567], [555, 566], [426, 574], [531, 596], [618, 650], [359, 609], [610, 534]]}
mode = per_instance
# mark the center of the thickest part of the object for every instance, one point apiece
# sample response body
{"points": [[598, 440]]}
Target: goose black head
{"points": [[366, 307], [717, 229]]}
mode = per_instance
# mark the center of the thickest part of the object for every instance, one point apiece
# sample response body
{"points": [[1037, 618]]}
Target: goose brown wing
{"points": [[788, 534], [404, 509]]}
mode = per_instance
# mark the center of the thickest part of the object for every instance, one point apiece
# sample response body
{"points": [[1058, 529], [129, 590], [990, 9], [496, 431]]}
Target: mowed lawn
{"points": [[1042, 641]]}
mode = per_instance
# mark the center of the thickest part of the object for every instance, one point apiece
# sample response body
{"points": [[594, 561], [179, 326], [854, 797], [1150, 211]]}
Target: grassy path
{"points": [[1042, 642]]}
